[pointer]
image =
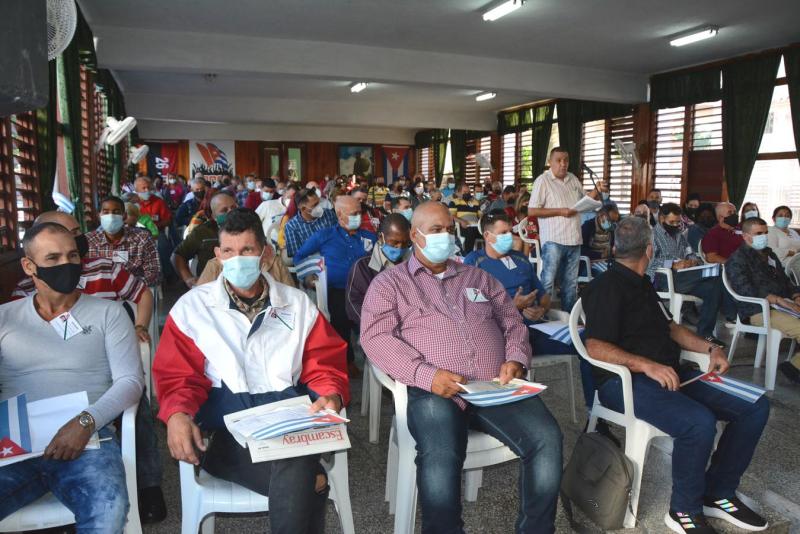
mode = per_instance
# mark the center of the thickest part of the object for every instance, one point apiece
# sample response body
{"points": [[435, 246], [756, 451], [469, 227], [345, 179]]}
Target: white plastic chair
{"points": [[675, 299], [587, 264], [320, 292], [401, 472], [203, 495], [536, 260], [638, 433], [48, 512], [700, 251], [769, 338], [546, 360], [371, 400], [793, 269]]}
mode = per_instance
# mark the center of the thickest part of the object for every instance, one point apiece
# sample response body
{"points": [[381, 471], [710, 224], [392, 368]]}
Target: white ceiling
{"points": [[292, 61]]}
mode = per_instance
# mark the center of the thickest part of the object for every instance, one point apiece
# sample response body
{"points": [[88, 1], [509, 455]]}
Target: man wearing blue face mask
{"points": [[394, 247], [340, 246], [755, 271]]}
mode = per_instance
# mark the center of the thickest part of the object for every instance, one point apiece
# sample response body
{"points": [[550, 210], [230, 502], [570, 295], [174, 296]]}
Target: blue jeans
{"points": [[560, 264], [91, 486], [542, 344], [690, 416], [440, 429]]}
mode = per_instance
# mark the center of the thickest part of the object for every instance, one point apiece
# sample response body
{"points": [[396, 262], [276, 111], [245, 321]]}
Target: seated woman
{"points": [[749, 210], [784, 241]]}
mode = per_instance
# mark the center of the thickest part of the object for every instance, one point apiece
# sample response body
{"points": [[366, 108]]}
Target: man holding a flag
{"points": [[626, 324]]}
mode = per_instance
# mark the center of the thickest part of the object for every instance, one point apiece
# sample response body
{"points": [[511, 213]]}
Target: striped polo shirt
{"points": [[552, 193]]}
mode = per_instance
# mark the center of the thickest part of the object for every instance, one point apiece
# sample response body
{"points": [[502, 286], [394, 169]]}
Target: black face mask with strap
{"points": [[62, 278]]}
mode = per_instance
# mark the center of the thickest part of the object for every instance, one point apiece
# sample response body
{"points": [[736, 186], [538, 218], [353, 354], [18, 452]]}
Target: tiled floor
{"points": [[774, 475]]}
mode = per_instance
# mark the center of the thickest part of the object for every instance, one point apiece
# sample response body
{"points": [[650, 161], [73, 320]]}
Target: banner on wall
{"points": [[162, 159], [395, 162], [212, 158]]}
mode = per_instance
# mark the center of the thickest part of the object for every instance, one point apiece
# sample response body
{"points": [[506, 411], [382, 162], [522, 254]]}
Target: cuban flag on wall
{"points": [[395, 162], [15, 435]]}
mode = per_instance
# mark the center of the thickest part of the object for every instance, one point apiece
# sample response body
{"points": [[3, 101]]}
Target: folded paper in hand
{"points": [[587, 203], [784, 309], [557, 330], [493, 393], [286, 429]]}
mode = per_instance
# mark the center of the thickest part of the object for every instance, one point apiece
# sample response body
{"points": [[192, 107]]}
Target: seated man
{"points": [[310, 218], [626, 324], [723, 239], [598, 234], [518, 276], [377, 193], [394, 247], [465, 209], [191, 203], [755, 271], [672, 251], [133, 247], [704, 219], [402, 205], [225, 348], [370, 216], [203, 239], [424, 326], [271, 264], [100, 357], [271, 211], [341, 246]]}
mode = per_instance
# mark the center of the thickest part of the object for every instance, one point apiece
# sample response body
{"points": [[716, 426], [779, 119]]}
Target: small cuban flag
{"points": [[711, 270], [15, 435], [316, 420], [494, 394], [737, 388], [311, 265]]}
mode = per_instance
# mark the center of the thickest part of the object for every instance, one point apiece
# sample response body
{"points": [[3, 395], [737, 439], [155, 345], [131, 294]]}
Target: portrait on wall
{"points": [[356, 159]]}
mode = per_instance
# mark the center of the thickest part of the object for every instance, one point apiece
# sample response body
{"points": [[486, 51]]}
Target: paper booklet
{"points": [[737, 388], [27, 428], [708, 269], [492, 393], [784, 309], [557, 330], [286, 429], [587, 203]]}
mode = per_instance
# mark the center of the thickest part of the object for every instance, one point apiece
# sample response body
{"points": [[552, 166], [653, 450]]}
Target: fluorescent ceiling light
{"points": [[502, 10], [358, 87], [485, 96], [695, 35]]}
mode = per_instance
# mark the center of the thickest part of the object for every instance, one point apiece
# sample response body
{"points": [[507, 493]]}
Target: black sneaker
{"points": [[735, 512], [691, 523], [790, 371], [715, 341]]}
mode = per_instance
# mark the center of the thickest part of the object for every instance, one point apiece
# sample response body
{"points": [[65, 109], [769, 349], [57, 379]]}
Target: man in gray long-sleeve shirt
{"points": [[94, 350]]}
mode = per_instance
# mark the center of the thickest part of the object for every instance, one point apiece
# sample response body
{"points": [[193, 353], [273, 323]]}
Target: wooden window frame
{"points": [[20, 194]]}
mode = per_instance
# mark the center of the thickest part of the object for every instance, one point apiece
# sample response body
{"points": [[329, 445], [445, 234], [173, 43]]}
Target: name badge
{"points": [[772, 263], [475, 295], [66, 326], [154, 217], [119, 256], [368, 244], [509, 263], [284, 318]]}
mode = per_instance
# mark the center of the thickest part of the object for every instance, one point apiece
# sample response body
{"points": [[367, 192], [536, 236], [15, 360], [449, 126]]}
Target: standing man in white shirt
{"points": [[554, 193]]}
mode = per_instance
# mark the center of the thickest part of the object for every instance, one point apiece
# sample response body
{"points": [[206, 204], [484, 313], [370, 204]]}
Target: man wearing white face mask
{"points": [[246, 340], [432, 324], [340, 246]]}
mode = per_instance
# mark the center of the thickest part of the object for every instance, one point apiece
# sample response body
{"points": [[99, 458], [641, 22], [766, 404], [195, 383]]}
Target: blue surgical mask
{"points": [[503, 243], [760, 241], [266, 195], [478, 196], [251, 186], [394, 254], [407, 213], [606, 225], [783, 222], [353, 222], [438, 247], [111, 223], [144, 195], [242, 271], [750, 214]]}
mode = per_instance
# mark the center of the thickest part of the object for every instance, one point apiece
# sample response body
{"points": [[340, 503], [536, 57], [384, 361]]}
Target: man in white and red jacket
{"points": [[241, 341]]}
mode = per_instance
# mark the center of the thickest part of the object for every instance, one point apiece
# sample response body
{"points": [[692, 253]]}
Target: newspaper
{"points": [[587, 203], [493, 393]]}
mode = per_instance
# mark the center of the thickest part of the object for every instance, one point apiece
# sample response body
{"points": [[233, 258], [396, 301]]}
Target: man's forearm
{"points": [[687, 339], [182, 266], [144, 308], [610, 353], [545, 212], [713, 257]]}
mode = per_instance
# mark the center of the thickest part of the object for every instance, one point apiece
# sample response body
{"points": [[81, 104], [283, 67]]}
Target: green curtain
{"points": [[69, 102], [423, 139], [47, 141], [570, 128], [542, 127], [472, 135], [439, 138], [791, 60], [458, 151], [671, 90], [747, 87]]}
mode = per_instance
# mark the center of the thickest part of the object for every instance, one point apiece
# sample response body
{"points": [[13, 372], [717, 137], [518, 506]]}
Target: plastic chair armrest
{"points": [[702, 360]]}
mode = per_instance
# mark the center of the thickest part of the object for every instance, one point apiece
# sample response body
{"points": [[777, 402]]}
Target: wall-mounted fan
{"points": [[138, 153], [115, 131], [483, 162], [627, 151], [62, 18]]}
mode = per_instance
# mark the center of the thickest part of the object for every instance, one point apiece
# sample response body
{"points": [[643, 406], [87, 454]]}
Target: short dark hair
{"points": [[752, 221], [509, 189], [706, 206], [559, 149], [268, 182], [488, 221], [396, 201], [112, 198], [292, 185], [654, 190], [779, 208], [670, 208], [35, 230], [394, 220], [303, 196], [693, 196], [240, 220], [359, 190]]}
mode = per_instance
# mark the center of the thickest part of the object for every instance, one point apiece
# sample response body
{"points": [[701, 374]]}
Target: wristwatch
{"points": [[86, 420]]}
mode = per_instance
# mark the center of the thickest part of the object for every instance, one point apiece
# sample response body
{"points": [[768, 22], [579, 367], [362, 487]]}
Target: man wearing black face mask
{"points": [[704, 219], [723, 239], [654, 203], [672, 251]]}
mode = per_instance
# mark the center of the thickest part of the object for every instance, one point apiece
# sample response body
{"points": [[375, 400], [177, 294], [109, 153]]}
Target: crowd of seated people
{"points": [[398, 279]]}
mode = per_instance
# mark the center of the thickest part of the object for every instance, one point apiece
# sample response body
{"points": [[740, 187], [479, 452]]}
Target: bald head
{"points": [[348, 204], [141, 184], [222, 203], [431, 214], [59, 217]]}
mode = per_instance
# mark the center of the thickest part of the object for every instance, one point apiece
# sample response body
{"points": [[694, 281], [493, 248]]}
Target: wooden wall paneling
{"points": [[248, 154], [644, 137], [183, 160], [704, 175], [377, 156], [497, 163], [321, 159], [10, 273]]}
